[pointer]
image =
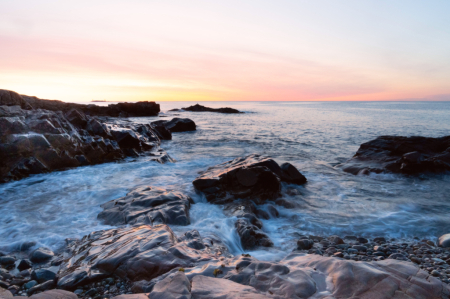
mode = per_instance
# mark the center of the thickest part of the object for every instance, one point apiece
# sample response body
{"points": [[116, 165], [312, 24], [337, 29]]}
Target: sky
{"points": [[321, 50]]}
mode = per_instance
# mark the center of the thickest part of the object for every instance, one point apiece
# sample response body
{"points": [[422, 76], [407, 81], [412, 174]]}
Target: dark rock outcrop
{"points": [[34, 140], [132, 253], [200, 108], [405, 155], [176, 125], [148, 205], [253, 176]]}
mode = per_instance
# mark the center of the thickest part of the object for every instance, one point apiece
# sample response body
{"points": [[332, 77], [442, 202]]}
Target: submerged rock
{"points": [[253, 176], [148, 205], [132, 253], [397, 154], [200, 108]]}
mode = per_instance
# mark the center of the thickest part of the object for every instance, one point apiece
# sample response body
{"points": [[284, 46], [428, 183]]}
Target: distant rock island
{"points": [[200, 108]]}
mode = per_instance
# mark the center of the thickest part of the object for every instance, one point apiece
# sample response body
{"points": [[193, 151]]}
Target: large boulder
{"points": [[172, 287], [444, 241], [148, 205], [253, 176], [55, 294], [132, 253], [398, 154]]}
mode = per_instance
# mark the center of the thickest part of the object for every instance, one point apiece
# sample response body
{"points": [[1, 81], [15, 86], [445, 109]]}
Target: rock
{"points": [[77, 118], [14, 289], [200, 108], [304, 244], [360, 248], [161, 130], [179, 125], [362, 240], [194, 240], [24, 264], [175, 287], [4, 284], [5, 294], [444, 241], [254, 175], [132, 296], [380, 240], [290, 174], [132, 253], [55, 294], [7, 260], [30, 284], [43, 275], [336, 240], [398, 154], [50, 284], [204, 287], [41, 255], [251, 235], [148, 205]]}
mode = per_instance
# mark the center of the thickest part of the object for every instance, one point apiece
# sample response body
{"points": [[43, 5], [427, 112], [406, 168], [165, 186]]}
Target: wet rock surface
{"points": [[255, 175], [39, 136], [148, 205], [405, 155], [200, 108]]}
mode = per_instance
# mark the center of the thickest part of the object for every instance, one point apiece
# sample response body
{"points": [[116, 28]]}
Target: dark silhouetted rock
{"points": [[200, 108], [7, 260], [397, 154], [148, 205], [161, 130], [48, 285], [305, 244]]}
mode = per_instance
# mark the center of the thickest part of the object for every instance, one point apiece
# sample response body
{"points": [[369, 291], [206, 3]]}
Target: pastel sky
{"points": [[226, 50]]}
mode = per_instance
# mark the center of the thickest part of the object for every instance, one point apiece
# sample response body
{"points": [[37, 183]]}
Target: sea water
{"points": [[316, 137]]}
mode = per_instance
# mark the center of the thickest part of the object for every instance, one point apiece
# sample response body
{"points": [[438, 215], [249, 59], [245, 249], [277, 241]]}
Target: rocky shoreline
{"points": [[141, 257]]}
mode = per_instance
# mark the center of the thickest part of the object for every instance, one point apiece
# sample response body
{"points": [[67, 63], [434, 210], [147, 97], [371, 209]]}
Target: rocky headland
{"points": [[141, 257], [39, 136]]}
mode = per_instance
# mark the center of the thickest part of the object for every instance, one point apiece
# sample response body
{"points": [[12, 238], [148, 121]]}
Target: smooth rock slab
{"points": [[204, 287], [55, 294], [172, 287], [148, 205], [133, 253]]}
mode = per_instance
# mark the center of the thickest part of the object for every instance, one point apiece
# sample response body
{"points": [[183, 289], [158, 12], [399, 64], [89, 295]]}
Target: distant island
{"points": [[101, 101], [200, 108]]}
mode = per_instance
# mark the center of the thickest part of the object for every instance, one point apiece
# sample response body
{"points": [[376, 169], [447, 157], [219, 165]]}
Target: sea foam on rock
{"points": [[148, 205], [398, 154]]}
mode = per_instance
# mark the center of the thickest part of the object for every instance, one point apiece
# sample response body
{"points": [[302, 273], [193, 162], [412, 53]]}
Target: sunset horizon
{"points": [[202, 51]]}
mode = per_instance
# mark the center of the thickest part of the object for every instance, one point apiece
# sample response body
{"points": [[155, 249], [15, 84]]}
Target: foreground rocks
{"points": [[39, 136], [303, 276], [200, 108], [148, 205], [397, 154], [132, 253]]}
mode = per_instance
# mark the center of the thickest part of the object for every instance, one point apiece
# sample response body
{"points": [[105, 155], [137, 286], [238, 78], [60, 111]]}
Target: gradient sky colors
{"points": [[226, 50]]}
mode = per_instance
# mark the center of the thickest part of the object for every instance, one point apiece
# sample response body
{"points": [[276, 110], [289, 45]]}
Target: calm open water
{"points": [[315, 137]]}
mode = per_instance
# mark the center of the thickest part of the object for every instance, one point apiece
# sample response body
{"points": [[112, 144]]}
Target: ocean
{"points": [[316, 137]]}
